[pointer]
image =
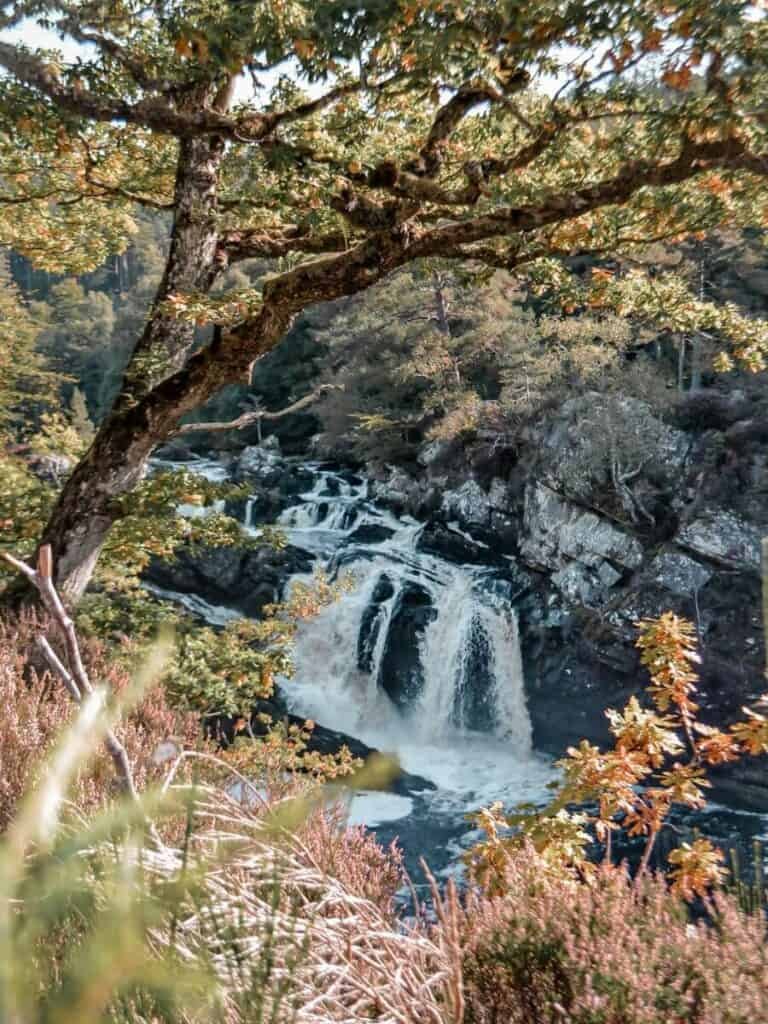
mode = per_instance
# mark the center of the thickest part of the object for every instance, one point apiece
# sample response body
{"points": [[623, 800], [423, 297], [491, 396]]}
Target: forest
{"points": [[383, 511]]}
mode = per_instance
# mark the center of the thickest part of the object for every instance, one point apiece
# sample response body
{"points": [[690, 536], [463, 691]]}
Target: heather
{"points": [[206, 902], [608, 952]]}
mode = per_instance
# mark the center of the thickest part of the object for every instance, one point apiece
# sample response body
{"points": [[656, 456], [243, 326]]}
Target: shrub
{"points": [[36, 709], [556, 950], [242, 920], [659, 758]]}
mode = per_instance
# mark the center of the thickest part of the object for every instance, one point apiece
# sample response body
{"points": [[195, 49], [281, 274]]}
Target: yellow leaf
{"points": [[183, 47], [304, 48], [677, 78]]}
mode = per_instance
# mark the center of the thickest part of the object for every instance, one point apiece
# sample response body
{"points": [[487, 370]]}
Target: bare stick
{"points": [[75, 678], [249, 418]]}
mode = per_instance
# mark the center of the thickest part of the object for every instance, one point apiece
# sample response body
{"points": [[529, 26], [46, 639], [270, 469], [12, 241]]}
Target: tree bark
{"points": [[191, 266], [89, 504]]}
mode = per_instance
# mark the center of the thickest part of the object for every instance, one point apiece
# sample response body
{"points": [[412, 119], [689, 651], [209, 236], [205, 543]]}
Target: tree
{"points": [[394, 132], [77, 332], [22, 370]]}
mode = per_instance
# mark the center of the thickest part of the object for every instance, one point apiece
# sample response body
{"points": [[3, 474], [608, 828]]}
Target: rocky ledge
{"points": [[616, 516]]}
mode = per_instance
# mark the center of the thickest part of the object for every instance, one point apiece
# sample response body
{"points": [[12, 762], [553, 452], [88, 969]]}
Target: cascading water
{"points": [[420, 659]]}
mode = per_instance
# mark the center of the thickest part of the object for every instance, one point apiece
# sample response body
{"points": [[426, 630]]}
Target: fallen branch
{"points": [[249, 418], [75, 678]]}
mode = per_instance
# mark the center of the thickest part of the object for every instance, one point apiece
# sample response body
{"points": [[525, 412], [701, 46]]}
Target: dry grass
{"points": [[240, 919], [311, 936], [287, 925]]}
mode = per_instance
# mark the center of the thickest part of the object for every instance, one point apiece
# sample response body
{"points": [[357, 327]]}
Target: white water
{"points": [[465, 726], [474, 626]]}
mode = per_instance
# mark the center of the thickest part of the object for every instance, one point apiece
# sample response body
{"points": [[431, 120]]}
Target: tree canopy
{"points": [[341, 141]]}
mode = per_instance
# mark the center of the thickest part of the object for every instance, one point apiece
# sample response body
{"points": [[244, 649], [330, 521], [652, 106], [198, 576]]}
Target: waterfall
{"points": [[473, 668], [437, 648], [421, 659]]}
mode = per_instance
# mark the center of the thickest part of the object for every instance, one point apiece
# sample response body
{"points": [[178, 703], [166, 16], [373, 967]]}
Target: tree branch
{"points": [[133, 65], [249, 418], [231, 355], [448, 118], [156, 112], [264, 244]]}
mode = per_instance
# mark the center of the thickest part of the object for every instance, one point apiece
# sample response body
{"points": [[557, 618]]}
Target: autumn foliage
{"points": [[659, 759]]}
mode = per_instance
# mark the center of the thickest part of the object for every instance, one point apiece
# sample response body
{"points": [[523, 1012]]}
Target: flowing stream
{"points": [[421, 659]]}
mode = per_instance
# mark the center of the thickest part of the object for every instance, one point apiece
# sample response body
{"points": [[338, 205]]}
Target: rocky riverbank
{"points": [[600, 515], [612, 516]]}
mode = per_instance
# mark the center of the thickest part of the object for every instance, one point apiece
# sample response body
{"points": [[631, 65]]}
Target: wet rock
{"points": [[470, 504], [401, 674], [397, 491], [474, 702], [245, 580], [271, 444], [509, 584], [454, 546], [322, 740], [175, 451], [370, 533], [259, 464], [723, 537], [434, 453]]}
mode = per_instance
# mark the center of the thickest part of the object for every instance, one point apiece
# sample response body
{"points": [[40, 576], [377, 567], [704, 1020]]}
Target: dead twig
{"points": [[75, 677], [249, 418]]}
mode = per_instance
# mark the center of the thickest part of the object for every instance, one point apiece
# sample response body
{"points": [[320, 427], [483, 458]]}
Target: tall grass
{"points": [[221, 913]]}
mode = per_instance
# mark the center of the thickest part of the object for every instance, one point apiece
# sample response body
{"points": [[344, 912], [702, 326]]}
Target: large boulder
{"points": [[244, 580], [259, 464], [721, 536], [402, 673], [469, 504], [677, 573], [475, 508], [587, 555]]}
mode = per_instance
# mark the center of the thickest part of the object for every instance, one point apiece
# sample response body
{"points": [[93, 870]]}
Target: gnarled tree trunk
{"points": [[89, 504]]}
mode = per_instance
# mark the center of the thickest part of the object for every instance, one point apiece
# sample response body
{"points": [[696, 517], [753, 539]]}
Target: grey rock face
{"points": [[593, 431], [723, 537], [259, 464], [470, 504], [678, 573], [557, 531], [585, 553], [397, 488], [434, 451], [271, 444]]}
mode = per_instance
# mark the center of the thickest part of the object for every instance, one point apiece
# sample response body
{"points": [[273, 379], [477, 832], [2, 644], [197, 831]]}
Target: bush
{"points": [[36, 709], [609, 952], [249, 909]]}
